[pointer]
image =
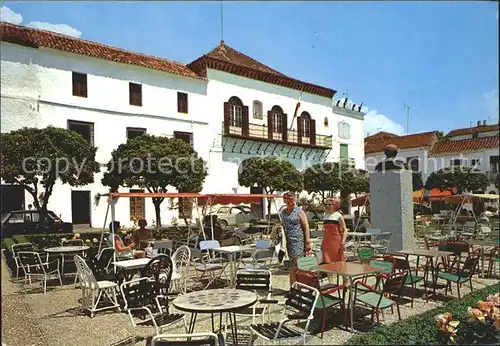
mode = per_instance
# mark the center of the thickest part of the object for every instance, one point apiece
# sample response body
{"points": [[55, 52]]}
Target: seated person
{"points": [[208, 221], [142, 236], [123, 252]]}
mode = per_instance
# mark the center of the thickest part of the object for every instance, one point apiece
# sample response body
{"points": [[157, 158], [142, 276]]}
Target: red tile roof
{"points": [[471, 130], [448, 147], [380, 135], [413, 141], [227, 59], [41, 38]]}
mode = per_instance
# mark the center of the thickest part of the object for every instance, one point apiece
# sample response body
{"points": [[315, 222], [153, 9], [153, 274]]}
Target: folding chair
{"points": [[299, 307], [15, 249]]}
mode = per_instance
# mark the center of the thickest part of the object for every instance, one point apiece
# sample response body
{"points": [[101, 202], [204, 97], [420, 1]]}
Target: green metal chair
{"points": [[377, 299], [459, 274], [402, 265]]}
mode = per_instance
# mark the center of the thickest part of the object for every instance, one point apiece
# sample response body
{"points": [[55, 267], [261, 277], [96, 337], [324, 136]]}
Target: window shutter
{"points": [[312, 133], [245, 126], [299, 130], [227, 121], [284, 129], [270, 125]]}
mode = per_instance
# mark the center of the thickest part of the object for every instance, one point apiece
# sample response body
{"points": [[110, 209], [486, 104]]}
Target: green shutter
{"points": [[344, 151]]}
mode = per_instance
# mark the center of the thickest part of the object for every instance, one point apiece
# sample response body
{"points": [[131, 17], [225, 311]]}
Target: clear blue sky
{"points": [[441, 58]]}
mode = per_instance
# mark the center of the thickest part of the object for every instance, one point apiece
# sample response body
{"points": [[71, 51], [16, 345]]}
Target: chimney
{"points": [[478, 123], [484, 122]]}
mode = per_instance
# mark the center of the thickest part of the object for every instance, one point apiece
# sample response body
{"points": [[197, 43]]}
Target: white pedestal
{"points": [[391, 205]]}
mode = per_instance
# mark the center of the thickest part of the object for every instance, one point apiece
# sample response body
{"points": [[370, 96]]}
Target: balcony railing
{"points": [[262, 132]]}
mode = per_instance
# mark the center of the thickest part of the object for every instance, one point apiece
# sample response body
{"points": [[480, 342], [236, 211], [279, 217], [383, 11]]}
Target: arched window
{"points": [[304, 125], [257, 110], [235, 112], [277, 114]]}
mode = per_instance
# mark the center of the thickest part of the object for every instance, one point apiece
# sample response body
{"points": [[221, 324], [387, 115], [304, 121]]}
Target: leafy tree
{"points": [[271, 174], [312, 204], [37, 158], [461, 178], [155, 163], [328, 178]]}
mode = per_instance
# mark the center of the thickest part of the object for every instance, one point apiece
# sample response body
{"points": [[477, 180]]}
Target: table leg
{"points": [[192, 322], [482, 262], [232, 318], [351, 304]]}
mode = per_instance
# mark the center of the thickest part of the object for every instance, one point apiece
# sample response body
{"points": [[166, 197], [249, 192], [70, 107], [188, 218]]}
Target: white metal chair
{"points": [[64, 260], [33, 266], [208, 262], [299, 307], [262, 256], [93, 290], [15, 249], [382, 243], [182, 261]]}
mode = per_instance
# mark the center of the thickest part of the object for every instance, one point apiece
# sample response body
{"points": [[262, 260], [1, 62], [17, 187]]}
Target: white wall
{"points": [[480, 135], [37, 92]]}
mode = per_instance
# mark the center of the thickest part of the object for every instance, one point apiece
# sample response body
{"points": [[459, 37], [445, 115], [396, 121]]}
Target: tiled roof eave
{"points": [[427, 147], [244, 71]]}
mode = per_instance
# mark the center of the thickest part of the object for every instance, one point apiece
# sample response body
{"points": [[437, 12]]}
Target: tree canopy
{"points": [[155, 163], [271, 174], [36, 158], [461, 178], [328, 178]]}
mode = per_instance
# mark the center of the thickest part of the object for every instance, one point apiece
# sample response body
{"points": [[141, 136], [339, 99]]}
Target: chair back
{"points": [[263, 244], [72, 242], [196, 339], [365, 253], [30, 259], [386, 265], [308, 278], [253, 280], [400, 263], [163, 246], [307, 261], [181, 259], [27, 247], [470, 265], [395, 284], [105, 257], [87, 277], [301, 300], [160, 270], [457, 247], [138, 293]]}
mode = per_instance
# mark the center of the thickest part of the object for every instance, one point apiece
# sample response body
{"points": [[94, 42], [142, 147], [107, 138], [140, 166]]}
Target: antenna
{"points": [[221, 22], [405, 106]]}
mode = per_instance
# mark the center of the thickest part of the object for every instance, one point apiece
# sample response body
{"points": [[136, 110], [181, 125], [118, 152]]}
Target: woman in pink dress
{"points": [[334, 234]]}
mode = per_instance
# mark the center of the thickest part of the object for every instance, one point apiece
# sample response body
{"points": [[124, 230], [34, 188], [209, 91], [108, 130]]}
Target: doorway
{"points": [[80, 207], [12, 198]]}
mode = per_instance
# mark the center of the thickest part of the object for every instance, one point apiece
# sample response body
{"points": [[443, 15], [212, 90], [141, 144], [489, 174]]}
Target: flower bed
{"points": [[422, 329]]}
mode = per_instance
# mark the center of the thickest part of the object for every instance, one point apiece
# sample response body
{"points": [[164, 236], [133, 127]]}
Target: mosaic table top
{"points": [[216, 300]]}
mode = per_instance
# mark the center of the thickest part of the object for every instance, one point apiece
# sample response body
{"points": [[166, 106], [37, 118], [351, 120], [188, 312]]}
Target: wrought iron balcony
{"points": [[262, 133]]}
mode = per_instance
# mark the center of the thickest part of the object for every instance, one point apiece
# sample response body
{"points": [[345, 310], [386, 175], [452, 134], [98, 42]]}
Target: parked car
{"points": [[26, 222], [234, 215]]}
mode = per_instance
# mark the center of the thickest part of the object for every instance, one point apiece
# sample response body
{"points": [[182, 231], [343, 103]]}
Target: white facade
{"points": [[37, 92]]}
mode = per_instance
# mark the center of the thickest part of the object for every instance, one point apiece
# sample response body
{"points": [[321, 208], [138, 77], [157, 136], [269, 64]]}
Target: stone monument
{"points": [[391, 200]]}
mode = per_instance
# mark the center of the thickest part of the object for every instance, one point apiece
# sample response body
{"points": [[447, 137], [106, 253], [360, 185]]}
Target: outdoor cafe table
{"points": [[66, 250], [232, 251], [214, 301], [132, 264], [350, 270], [483, 244], [429, 255]]}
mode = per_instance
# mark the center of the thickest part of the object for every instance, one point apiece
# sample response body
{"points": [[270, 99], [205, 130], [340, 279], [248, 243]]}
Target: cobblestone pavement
{"points": [[54, 319]]}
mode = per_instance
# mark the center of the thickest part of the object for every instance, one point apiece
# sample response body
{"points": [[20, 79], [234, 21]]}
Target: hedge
{"points": [[421, 329]]}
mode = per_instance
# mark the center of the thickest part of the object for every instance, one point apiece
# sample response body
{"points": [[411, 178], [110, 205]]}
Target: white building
{"points": [[226, 104], [428, 152]]}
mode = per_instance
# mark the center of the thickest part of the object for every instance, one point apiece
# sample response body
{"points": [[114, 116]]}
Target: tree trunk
{"points": [[344, 201], [157, 203], [268, 203]]}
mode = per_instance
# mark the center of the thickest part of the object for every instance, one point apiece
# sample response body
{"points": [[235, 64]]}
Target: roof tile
{"points": [[47, 39], [448, 147], [376, 144], [471, 130]]}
